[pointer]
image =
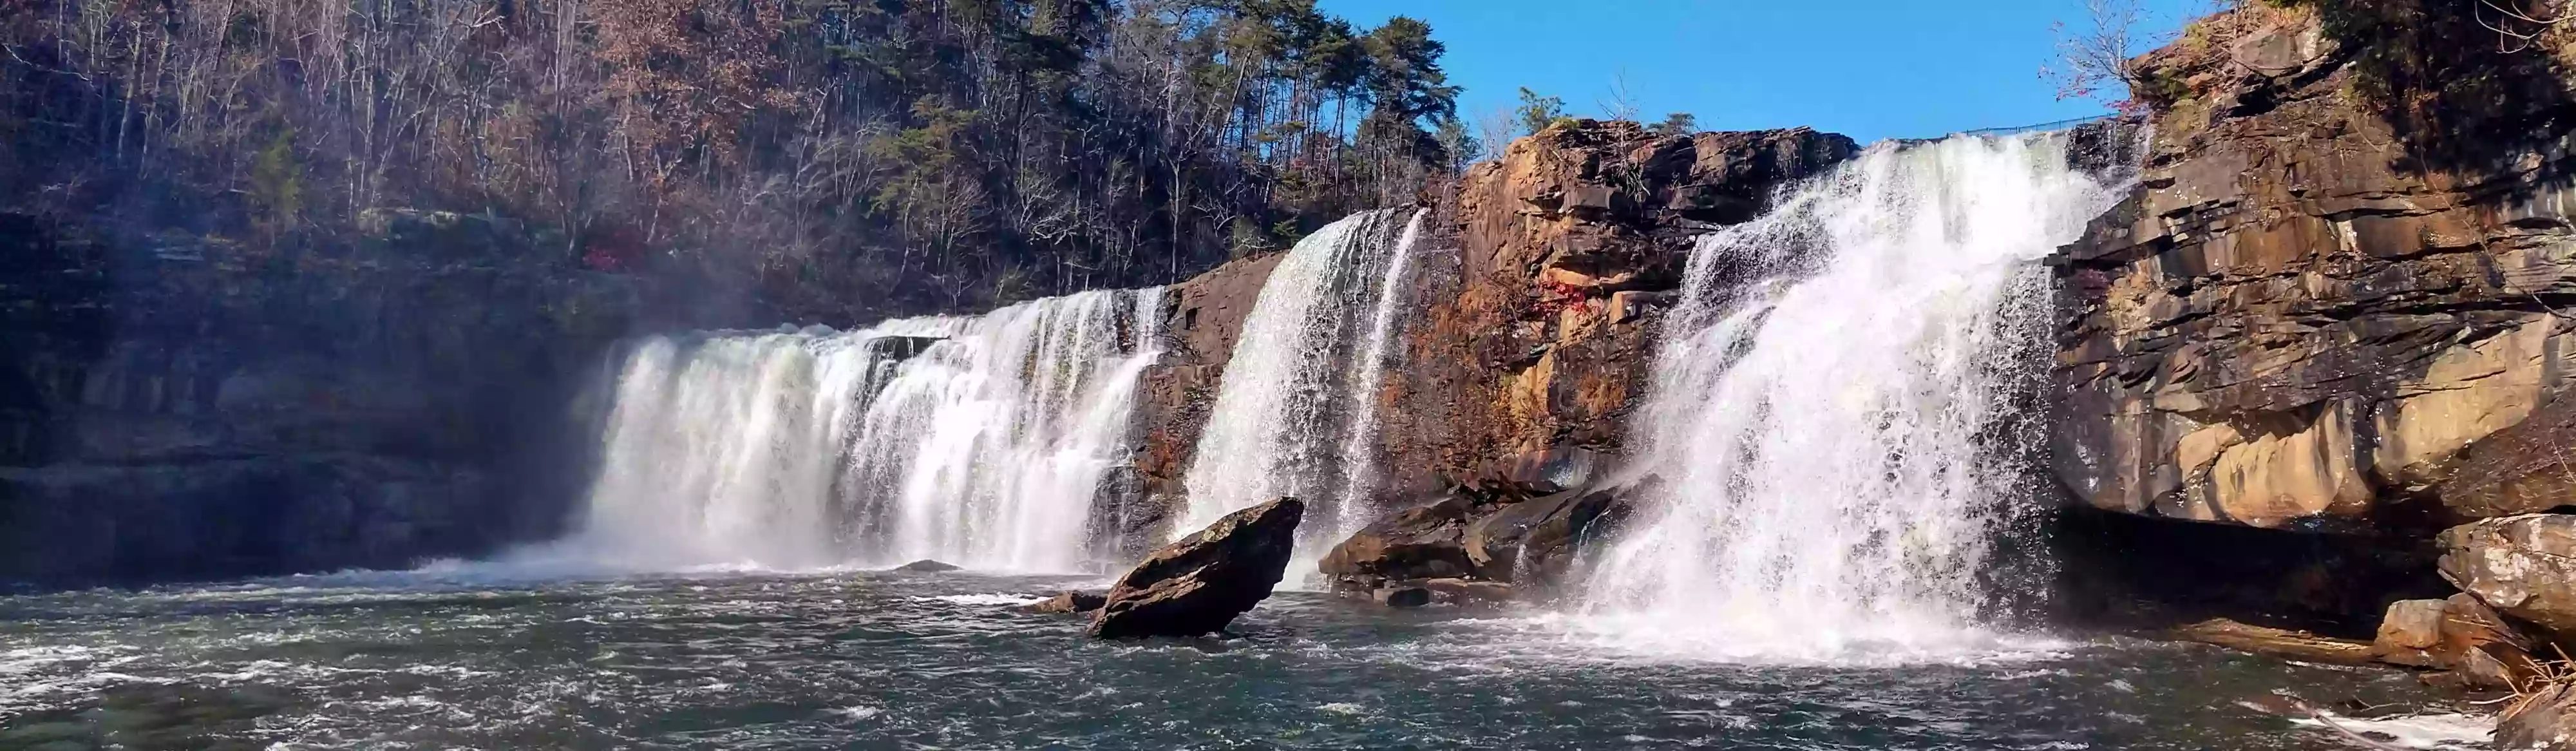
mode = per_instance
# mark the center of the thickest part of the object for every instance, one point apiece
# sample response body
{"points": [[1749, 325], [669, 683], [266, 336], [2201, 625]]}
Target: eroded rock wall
{"points": [[2302, 318], [185, 406]]}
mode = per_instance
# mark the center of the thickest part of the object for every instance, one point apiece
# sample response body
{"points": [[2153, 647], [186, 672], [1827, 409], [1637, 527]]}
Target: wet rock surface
{"points": [[1472, 547], [1200, 583], [1530, 350]]}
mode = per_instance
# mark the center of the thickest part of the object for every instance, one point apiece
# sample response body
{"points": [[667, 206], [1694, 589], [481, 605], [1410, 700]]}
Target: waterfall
{"points": [[1351, 509], [1306, 371], [1834, 414], [979, 441]]}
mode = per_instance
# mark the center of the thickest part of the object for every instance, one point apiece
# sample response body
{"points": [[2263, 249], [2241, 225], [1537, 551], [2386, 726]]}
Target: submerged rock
{"points": [[927, 565], [2524, 566], [1200, 583], [1067, 603], [1467, 590]]}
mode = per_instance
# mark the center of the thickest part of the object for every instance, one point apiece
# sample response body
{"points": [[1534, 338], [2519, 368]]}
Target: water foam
{"points": [[1833, 419], [979, 441]]}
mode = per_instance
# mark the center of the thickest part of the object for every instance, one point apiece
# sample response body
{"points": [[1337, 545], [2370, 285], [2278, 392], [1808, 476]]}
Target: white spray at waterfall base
{"points": [[1832, 411], [979, 441]]}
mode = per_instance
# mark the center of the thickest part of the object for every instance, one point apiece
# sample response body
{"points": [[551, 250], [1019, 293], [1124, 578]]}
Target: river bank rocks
{"points": [[1067, 603], [1198, 584], [2544, 720], [1511, 536], [2524, 566]]}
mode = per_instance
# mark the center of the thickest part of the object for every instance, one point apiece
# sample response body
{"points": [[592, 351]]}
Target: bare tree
{"points": [[2093, 61], [1497, 128], [2516, 25], [1618, 103]]}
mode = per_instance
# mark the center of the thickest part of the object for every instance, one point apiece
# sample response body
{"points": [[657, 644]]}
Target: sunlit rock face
{"points": [[1540, 303], [2307, 316]]}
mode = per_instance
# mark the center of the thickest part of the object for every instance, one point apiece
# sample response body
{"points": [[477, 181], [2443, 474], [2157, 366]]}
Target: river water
{"points": [[478, 657]]}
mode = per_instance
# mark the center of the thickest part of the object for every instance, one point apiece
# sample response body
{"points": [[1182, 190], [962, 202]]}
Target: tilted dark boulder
{"points": [[1200, 583], [927, 566]]}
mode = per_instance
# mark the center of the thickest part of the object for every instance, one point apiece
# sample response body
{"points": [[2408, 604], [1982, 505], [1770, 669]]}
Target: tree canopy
{"points": [[858, 156]]}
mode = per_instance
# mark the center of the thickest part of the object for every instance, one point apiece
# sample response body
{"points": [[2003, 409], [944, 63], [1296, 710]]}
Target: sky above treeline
{"points": [[1869, 69]]}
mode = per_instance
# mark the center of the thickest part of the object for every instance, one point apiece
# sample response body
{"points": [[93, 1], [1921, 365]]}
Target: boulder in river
{"points": [[927, 566], [1402, 596], [2479, 648], [1532, 540], [2523, 566], [1422, 542], [1200, 583]]}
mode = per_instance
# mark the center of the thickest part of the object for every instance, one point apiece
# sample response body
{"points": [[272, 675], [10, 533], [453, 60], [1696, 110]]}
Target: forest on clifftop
{"points": [[838, 159]]}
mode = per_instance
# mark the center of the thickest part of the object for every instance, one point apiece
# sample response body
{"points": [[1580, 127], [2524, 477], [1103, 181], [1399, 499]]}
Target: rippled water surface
{"points": [[877, 660]]}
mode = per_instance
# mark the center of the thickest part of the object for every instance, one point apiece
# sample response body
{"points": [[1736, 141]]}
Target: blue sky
{"points": [[1869, 69]]}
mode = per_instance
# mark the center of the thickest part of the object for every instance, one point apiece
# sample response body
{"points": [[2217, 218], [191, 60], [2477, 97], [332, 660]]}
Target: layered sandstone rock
{"points": [[1201, 319], [2475, 646], [2300, 318]]}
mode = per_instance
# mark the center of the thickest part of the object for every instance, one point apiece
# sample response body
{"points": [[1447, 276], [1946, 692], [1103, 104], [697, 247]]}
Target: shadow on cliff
{"points": [[2467, 97], [2127, 572]]}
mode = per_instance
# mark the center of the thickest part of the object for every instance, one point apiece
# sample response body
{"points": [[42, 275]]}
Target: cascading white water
{"points": [[1304, 372], [1367, 375], [1832, 412], [977, 441]]}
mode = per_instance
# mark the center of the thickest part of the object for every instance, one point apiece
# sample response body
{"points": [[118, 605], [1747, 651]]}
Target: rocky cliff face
{"points": [[2306, 317], [1201, 319], [1526, 347], [184, 406], [1535, 333]]}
